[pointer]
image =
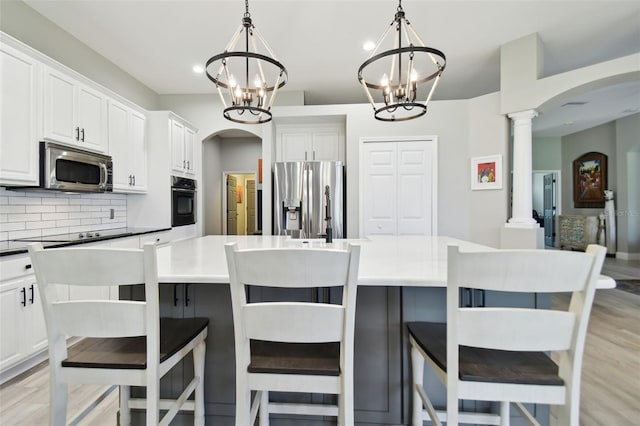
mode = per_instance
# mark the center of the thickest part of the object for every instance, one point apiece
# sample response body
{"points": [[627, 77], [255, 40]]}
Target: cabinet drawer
{"points": [[15, 267]]}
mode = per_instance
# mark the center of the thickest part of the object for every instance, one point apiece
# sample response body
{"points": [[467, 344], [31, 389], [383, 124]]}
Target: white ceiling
{"points": [[320, 43]]}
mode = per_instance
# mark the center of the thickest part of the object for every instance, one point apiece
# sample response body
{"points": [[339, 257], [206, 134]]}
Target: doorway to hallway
{"points": [[239, 203], [546, 203]]}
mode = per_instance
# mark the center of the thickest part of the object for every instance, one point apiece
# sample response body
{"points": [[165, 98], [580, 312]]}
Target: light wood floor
{"points": [[610, 375]]}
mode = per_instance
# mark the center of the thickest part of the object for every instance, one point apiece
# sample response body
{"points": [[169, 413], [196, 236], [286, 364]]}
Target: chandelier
{"points": [[247, 80], [403, 78]]}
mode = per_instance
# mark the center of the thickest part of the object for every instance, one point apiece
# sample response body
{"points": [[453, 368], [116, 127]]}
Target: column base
{"points": [[521, 237], [522, 222]]}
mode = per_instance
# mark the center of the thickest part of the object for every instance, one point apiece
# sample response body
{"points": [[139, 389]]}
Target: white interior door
{"points": [[380, 182], [415, 188], [399, 187]]}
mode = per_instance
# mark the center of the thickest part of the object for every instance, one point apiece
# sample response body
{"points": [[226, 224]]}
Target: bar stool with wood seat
{"points": [[293, 346], [124, 343], [500, 354]]}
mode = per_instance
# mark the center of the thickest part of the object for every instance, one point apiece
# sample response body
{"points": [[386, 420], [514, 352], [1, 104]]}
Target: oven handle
{"points": [[183, 190]]}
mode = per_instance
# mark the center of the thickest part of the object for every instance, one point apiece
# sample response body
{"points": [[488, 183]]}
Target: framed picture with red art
{"points": [[486, 172], [589, 180]]}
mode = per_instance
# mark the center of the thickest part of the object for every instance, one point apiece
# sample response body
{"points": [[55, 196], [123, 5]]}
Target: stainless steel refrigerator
{"points": [[300, 198]]}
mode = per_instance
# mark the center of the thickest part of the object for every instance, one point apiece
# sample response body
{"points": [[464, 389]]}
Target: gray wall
{"points": [[547, 153], [25, 24], [210, 186]]}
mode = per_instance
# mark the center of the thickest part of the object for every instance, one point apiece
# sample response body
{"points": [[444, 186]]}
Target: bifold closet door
{"points": [[398, 188]]}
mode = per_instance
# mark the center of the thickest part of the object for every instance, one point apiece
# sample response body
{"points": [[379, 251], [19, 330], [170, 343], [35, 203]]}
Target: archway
{"points": [[229, 150]]}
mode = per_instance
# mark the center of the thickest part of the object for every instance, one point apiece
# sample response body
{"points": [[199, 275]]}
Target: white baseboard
{"points": [[23, 366], [627, 256]]}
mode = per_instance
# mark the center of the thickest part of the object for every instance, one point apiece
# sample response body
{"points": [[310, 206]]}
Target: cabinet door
{"points": [[37, 329], [59, 107], [326, 145], [11, 324], [178, 162], [293, 146], [189, 146], [91, 118], [119, 146], [18, 117], [137, 140], [378, 377]]}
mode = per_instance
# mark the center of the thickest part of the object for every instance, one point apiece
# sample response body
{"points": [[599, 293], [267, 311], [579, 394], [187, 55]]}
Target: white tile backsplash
{"points": [[35, 214]]}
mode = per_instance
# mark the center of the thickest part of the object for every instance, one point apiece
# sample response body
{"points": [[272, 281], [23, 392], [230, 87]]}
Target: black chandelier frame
{"points": [[243, 102], [403, 101]]}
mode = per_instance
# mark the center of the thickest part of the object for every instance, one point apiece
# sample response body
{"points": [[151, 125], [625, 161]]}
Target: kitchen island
{"points": [[384, 261], [400, 279]]}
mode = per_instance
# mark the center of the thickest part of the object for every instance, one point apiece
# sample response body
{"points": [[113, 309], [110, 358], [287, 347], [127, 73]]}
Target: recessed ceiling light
{"points": [[568, 123], [368, 45], [198, 69]]}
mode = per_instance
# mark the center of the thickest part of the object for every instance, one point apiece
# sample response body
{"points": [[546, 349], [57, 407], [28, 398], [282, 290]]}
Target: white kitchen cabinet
{"points": [[19, 106], [182, 147], [22, 330], [74, 113], [310, 142], [127, 147]]}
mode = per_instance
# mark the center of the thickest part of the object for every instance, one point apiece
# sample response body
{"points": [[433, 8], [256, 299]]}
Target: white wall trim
{"points": [[434, 175], [627, 256]]}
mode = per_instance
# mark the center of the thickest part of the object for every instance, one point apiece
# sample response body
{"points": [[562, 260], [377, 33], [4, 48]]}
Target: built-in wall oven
{"points": [[183, 201]]}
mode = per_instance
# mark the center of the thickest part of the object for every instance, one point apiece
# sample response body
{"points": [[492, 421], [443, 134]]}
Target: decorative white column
{"points": [[522, 202]]}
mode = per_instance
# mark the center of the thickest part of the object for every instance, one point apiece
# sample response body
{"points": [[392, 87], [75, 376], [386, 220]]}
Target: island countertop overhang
{"points": [[405, 261]]}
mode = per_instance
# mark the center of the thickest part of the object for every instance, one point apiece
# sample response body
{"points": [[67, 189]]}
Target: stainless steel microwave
{"points": [[64, 168]]}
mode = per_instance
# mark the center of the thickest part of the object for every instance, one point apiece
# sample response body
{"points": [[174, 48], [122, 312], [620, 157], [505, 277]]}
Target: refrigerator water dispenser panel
{"points": [[291, 216]]}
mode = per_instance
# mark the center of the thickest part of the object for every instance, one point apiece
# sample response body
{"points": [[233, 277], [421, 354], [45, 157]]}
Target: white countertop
{"points": [[409, 261]]}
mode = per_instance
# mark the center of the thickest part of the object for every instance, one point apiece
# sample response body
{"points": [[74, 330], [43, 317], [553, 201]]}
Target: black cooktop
{"points": [[78, 236]]}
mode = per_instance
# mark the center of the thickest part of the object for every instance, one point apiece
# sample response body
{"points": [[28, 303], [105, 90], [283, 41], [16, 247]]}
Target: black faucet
{"points": [[329, 232]]}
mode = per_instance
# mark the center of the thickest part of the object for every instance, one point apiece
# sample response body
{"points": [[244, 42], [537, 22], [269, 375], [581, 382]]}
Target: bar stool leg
{"points": [[125, 411], [417, 371], [264, 408], [504, 413], [198, 369], [58, 404]]}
